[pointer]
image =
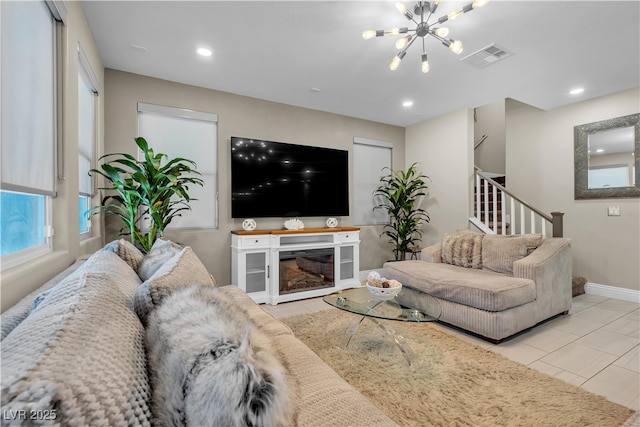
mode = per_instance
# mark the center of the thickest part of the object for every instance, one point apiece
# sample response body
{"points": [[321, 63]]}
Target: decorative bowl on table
{"points": [[381, 288]]}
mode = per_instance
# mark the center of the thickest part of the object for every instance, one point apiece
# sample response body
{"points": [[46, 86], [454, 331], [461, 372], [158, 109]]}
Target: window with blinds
{"points": [[191, 135], [370, 157], [28, 108], [87, 138]]}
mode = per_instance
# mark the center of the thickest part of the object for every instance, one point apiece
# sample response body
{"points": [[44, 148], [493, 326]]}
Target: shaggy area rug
{"points": [[452, 383]]}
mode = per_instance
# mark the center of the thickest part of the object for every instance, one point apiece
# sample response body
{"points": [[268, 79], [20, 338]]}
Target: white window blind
{"points": [[191, 135], [370, 157], [28, 98], [87, 97]]}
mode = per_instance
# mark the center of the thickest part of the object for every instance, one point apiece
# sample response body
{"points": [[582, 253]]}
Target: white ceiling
{"points": [[280, 50]]}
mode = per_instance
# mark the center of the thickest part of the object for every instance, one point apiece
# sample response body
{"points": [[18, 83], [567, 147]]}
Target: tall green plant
{"points": [[401, 193], [146, 189]]}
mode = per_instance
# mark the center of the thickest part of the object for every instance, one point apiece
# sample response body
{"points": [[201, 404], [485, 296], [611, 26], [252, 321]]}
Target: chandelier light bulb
{"points": [[394, 31], [395, 62], [479, 3], [442, 31], [403, 42], [401, 8], [454, 15], [368, 34], [425, 64], [456, 47]]}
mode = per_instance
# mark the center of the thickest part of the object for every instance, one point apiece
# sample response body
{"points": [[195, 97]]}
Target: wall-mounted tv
{"points": [[276, 179]]}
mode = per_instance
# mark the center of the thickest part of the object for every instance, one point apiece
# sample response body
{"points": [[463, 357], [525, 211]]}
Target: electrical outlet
{"points": [[613, 210]]}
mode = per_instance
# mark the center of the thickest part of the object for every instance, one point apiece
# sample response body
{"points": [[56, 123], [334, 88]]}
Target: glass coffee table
{"points": [[360, 301]]}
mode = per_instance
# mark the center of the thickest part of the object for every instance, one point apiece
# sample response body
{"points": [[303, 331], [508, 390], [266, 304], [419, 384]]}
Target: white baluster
{"points": [[533, 222], [495, 209], [486, 203], [504, 214], [513, 216]]}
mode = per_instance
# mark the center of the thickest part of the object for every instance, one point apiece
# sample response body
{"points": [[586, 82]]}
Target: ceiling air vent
{"points": [[486, 56]]}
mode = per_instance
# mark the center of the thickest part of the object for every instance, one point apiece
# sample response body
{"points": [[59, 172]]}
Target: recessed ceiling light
{"points": [[576, 91], [407, 103], [204, 51]]}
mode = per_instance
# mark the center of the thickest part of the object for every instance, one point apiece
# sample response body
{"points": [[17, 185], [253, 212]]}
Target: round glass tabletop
{"points": [[360, 301]]}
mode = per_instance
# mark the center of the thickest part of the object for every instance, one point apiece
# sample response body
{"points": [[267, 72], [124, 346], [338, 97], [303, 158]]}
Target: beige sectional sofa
{"points": [[493, 286], [76, 351]]}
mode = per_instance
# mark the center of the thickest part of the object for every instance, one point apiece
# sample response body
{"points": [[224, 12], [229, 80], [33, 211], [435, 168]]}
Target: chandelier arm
{"points": [[410, 18], [467, 8], [432, 9], [413, 38], [441, 39]]}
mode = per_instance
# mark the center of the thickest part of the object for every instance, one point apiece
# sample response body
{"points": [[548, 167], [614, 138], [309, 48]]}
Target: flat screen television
{"points": [[276, 179]]}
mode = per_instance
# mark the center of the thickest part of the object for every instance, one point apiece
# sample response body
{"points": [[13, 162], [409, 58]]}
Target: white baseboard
{"points": [[612, 292]]}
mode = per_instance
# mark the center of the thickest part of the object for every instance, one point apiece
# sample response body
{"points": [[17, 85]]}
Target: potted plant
{"points": [[401, 193], [146, 189]]}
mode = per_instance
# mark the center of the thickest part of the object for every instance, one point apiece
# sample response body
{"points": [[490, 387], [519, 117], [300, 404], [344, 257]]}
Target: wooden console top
{"points": [[301, 231]]}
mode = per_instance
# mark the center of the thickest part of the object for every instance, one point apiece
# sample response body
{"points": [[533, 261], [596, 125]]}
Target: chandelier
{"points": [[424, 10]]}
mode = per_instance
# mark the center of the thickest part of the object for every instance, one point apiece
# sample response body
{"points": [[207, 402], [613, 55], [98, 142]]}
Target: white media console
{"points": [[274, 266]]}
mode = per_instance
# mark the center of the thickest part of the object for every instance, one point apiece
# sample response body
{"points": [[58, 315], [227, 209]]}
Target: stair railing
{"points": [[497, 209]]}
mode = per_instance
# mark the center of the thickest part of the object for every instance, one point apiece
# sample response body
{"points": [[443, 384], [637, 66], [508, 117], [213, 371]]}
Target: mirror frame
{"points": [[581, 158]]}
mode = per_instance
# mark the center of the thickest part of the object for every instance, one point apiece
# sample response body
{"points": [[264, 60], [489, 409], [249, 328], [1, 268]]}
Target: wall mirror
{"points": [[607, 158]]}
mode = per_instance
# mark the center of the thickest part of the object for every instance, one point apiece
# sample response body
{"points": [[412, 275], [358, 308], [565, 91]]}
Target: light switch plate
{"points": [[613, 210]]}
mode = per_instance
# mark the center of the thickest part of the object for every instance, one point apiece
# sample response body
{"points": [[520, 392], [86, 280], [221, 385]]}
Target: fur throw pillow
{"points": [[463, 248], [210, 365]]}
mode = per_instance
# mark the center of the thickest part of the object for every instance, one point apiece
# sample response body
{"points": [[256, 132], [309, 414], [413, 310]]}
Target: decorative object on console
{"points": [[332, 222], [424, 10], [146, 189], [293, 224], [402, 194], [249, 224]]}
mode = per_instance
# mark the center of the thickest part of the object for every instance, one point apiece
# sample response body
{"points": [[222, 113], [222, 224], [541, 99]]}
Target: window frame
{"points": [[88, 77], [58, 18]]}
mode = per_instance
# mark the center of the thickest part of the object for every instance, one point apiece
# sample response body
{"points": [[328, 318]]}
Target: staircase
{"points": [[497, 211], [484, 211]]}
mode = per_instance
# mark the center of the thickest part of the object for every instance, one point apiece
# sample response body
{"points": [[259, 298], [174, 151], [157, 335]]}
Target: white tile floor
{"points": [[596, 346]]}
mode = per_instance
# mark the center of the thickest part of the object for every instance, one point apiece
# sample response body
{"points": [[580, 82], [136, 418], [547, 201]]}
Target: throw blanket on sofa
{"points": [[210, 366]]}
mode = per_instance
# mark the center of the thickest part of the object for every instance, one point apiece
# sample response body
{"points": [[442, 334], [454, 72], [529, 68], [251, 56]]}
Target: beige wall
{"points": [[489, 120], [539, 162], [19, 281], [247, 117], [444, 149]]}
